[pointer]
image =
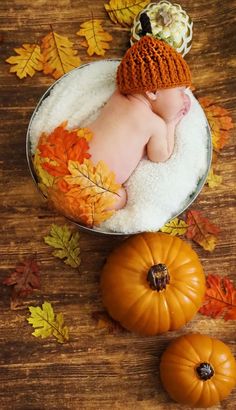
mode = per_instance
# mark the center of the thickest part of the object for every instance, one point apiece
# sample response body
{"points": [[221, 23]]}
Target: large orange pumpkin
{"points": [[152, 283], [198, 370]]}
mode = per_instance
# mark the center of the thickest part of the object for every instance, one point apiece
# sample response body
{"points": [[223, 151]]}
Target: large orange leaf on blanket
{"points": [[124, 11], [219, 120], [62, 145], [220, 298], [58, 55], [97, 39], [93, 180], [28, 60], [201, 230]]}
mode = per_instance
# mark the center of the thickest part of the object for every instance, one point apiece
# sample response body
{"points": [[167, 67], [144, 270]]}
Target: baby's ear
{"points": [[151, 96]]}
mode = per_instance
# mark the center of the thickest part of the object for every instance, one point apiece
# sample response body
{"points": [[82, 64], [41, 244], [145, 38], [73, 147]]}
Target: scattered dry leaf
{"points": [[97, 39], [47, 324], [213, 180], [28, 60], [175, 227], [124, 11], [219, 120], [58, 55], [201, 230], [24, 280], [104, 321], [220, 298]]}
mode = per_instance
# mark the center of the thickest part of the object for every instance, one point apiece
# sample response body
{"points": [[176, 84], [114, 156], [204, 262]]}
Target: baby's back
{"points": [[121, 133]]}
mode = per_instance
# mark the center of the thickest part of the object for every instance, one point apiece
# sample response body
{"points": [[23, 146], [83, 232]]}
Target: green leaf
{"points": [[67, 244], [175, 227], [46, 325]]}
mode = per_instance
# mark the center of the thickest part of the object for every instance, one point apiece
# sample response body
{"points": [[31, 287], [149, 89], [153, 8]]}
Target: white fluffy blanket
{"points": [[156, 192]]}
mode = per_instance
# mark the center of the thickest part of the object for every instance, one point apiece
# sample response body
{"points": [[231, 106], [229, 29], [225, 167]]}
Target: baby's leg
{"points": [[121, 199]]}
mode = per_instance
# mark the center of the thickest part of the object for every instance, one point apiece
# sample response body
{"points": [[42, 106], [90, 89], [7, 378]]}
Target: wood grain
{"points": [[97, 369]]}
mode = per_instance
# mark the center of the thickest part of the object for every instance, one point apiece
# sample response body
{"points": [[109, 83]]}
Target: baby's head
{"points": [[155, 69]]}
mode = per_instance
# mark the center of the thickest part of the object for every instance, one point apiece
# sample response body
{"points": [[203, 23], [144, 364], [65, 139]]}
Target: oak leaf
{"points": [[220, 298], [213, 180], [175, 227], [97, 39], [66, 243], [24, 280], [47, 324], [201, 230], [219, 120], [62, 145], [124, 11], [28, 60], [58, 55]]}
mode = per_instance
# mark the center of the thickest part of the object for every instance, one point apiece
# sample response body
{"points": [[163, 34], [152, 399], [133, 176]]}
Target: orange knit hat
{"points": [[149, 65]]}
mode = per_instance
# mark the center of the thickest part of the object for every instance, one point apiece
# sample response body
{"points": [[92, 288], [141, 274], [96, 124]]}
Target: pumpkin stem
{"points": [[205, 371], [158, 277]]}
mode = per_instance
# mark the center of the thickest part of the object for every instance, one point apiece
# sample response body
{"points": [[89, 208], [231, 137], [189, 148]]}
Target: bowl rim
{"points": [[190, 199]]}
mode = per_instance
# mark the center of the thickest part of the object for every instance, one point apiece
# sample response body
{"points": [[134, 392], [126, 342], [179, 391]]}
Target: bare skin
{"points": [[132, 126]]}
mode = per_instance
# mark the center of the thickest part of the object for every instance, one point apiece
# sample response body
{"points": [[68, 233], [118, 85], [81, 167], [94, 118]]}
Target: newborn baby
{"points": [[140, 117]]}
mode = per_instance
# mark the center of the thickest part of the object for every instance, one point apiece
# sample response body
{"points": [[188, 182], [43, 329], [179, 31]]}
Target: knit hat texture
{"points": [[151, 64]]}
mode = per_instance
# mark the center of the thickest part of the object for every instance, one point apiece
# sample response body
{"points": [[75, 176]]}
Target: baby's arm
{"points": [[160, 146]]}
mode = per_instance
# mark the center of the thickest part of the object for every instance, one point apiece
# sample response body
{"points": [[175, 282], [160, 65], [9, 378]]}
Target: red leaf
{"points": [[220, 298], [201, 230], [24, 280]]}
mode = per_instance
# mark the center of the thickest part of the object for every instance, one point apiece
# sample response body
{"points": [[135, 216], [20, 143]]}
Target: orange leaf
{"points": [[219, 120], [58, 54], [61, 146], [201, 230], [220, 298], [97, 39]]}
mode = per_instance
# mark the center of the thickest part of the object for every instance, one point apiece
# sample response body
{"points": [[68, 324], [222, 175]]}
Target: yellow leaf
{"points": [[28, 61], [124, 11], [96, 37], [93, 180], [175, 227], [213, 180], [58, 55], [46, 324], [45, 179]]}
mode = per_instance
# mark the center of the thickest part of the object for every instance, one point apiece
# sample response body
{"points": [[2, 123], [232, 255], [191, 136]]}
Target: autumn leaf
{"points": [[62, 145], [66, 243], [213, 180], [175, 227], [220, 298], [104, 321], [97, 39], [28, 60], [201, 230], [124, 11], [47, 324], [93, 179], [219, 120], [24, 280], [58, 55]]}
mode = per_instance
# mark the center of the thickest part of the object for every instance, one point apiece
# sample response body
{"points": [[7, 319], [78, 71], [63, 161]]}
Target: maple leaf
{"points": [[58, 55], [213, 180], [175, 227], [28, 60], [219, 120], [47, 324], [66, 243], [124, 11], [97, 39], [220, 298], [201, 230], [45, 179], [62, 145], [104, 321], [93, 179], [24, 280]]}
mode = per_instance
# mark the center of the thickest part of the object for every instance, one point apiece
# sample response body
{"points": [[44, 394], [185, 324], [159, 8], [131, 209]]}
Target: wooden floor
{"points": [[98, 369]]}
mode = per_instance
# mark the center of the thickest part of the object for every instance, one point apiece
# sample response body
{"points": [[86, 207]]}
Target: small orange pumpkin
{"points": [[198, 370], [152, 283]]}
